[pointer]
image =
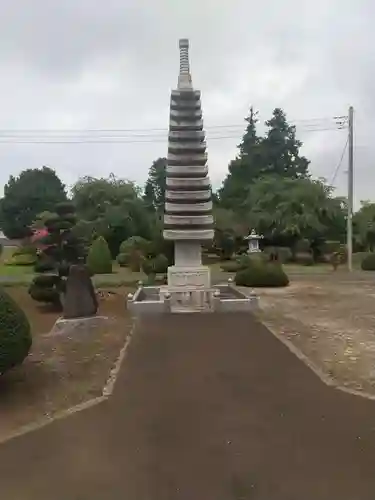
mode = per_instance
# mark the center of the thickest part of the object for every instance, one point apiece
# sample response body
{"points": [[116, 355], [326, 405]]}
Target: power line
{"points": [[313, 123], [121, 139], [336, 171], [114, 139]]}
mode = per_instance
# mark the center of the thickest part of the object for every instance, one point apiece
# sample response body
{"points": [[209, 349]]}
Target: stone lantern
{"points": [[253, 241]]}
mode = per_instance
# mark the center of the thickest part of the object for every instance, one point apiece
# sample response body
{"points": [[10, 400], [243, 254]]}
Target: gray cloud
{"points": [[83, 64]]}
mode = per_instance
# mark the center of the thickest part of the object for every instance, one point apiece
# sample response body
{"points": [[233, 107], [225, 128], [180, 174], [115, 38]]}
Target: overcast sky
{"points": [[81, 64]]}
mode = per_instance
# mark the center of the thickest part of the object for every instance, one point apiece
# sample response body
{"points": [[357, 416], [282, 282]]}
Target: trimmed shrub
{"points": [[15, 334], [358, 258], [135, 248], [283, 254], [302, 246], [155, 265], [262, 275], [22, 260], [1, 249], [329, 247], [230, 266], [305, 259], [368, 262], [44, 266], [134, 242], [25, 250], [243, 261], [99, 259], [210, 258], [122, 259]]}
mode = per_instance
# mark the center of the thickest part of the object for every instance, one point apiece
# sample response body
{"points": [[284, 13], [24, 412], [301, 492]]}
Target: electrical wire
{"points": [[65, 136], [121, 139], [336, 171]]}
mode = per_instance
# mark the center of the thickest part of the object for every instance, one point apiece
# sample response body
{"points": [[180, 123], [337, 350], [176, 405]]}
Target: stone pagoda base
{"points": [[188, 288], [188, 277]]}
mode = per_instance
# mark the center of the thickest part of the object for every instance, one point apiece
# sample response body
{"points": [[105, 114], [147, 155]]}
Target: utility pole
{"points": [[350, 190]]}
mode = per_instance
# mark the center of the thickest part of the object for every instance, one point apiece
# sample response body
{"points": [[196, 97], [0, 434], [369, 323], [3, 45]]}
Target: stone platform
{"points": [[167, 299]]}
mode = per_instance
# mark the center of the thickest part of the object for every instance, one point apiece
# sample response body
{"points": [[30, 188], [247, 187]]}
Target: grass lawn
{"points": [[122, 276], [62, 370]]}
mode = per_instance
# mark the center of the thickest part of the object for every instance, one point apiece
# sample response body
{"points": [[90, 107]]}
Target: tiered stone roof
{"points": [[188, 206]]}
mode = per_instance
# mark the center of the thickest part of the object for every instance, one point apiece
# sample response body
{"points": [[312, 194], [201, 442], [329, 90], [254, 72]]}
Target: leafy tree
{"points": [[364, 225], [99, 259], [154, 191], [287, 210], [59, 249], [111, 208], [229, 232], [31, 193]]}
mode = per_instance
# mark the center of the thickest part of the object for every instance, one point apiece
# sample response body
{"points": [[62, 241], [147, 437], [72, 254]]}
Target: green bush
{"points": [[48, 295], [15, 334], [358, 258], [302, 246], [243, 261], [305, 259], [329, 247], [1, 249], [44, 266], [135, 242], [155, 265], [284, 254], [230, 266], [22, 260], [368, 262], [262, 275], [99, 259], [136, 249], [25, 250], [122, 259], [210, 258]]}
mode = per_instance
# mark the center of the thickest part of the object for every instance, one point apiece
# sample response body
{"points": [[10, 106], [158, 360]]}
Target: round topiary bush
{"points": [[122, 259], [282, 254], [155, 265], [230, 266], [304, 259], [15, 334], [262, 275], [99, 259], [368, 262]]}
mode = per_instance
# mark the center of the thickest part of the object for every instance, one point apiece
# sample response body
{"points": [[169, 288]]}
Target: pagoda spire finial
{"points": [[184, 78]]}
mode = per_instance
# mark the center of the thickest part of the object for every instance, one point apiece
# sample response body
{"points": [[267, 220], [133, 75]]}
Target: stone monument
{"points": [[188, 217], [188, 220], [80, 300]]}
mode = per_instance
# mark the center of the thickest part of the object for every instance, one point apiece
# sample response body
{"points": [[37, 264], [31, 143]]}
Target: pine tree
{"points": [[154, 191], [58, 250], [281, 149], [245, 168], [275, 154]]}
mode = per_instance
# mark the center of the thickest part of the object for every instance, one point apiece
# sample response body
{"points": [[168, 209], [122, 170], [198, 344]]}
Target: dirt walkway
{"points": [[208, 407]]}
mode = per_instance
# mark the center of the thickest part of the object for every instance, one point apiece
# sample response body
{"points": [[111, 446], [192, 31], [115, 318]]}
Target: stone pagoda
{"points": [[188, 220], [188, 217]]}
